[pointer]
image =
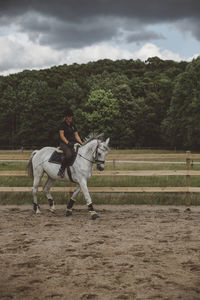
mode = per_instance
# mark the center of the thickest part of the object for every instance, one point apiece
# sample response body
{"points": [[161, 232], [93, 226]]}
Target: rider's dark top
{"points": [[68, 131]]}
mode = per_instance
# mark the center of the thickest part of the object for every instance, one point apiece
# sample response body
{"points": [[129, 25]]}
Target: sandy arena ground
{"points": [[131, 252]]}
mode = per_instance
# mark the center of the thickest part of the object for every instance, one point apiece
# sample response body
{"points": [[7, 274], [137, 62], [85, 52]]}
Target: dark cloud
{"points": [[72, 24], [72, 9], [144, 36], [62, 34]]}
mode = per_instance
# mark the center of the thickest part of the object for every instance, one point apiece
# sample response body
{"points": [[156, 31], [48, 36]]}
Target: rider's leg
{"points": [[68, 156]]}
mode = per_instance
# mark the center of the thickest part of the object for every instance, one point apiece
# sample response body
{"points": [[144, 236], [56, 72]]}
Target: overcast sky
{"points": [[36, 34]]}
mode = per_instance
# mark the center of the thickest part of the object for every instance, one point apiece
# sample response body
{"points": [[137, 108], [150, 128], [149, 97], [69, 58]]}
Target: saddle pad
{"points": [[56, 158]]}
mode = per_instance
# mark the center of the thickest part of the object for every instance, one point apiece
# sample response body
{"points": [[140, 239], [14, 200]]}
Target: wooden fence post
{"points": [[188, 167], [114, 164]]}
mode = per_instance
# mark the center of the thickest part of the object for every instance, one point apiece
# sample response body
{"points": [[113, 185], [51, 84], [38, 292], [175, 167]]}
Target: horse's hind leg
{"points": [[46, 189], [37, 177], [72, 201]]}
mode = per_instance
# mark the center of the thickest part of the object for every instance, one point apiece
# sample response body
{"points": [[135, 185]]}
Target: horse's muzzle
{"points": [[100, 167]]}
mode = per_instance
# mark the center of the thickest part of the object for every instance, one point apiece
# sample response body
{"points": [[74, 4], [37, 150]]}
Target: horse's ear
{"points": [[107, 141]]}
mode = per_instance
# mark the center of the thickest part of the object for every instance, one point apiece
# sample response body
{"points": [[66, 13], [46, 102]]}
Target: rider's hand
{"points": [[71, 145]]}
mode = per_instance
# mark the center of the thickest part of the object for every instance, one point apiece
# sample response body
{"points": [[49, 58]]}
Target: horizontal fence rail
{"points": [[114, 161], [122, 157], [123, 173], [188, 161], [110, 189]]}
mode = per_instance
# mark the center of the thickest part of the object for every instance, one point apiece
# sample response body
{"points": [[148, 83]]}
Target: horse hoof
{"points": [[68, 213], [52, 209], [188, 210], [36, 208], [95, 216]]}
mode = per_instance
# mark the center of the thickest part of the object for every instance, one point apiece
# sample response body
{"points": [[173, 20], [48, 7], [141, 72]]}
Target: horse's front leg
{"points": [[84, 188], [72, 201]]}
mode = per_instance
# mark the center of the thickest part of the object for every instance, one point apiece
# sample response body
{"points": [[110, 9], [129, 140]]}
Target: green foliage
{"points": [[138, 104], [101, 112], [182, 124]]}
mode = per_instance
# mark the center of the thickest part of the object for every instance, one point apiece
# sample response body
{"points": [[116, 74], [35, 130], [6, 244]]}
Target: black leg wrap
{"points": [[51, 203], [90, 207], [70, 204], [35, 206]]}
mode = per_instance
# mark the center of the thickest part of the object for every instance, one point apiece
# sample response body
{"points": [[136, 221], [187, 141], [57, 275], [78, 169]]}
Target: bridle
{"points": [[96, 160]]}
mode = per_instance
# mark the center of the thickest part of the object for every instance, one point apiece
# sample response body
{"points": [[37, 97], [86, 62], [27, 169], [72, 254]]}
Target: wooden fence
{"points": [[188, 157], [113, 156]]}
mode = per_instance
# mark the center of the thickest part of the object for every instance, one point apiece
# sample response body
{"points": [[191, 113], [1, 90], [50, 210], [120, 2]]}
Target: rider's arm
{"points": [[77, 137], [63, 138]]}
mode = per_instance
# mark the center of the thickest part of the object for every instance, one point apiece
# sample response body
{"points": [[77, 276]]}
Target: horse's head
{"points": [[100, 154]]}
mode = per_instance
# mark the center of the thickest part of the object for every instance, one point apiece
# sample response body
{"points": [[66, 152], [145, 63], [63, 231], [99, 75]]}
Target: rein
{"points": [[96, 160]]}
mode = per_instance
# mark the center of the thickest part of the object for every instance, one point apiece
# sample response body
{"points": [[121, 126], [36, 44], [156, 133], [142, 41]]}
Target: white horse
{"points": [[93, 151]]}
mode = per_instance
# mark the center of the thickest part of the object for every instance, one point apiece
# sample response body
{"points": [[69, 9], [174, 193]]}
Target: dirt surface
{"points": [[131, 252]]}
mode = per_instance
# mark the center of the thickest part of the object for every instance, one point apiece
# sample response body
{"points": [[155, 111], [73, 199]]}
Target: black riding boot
{"points": [[61, 171]]}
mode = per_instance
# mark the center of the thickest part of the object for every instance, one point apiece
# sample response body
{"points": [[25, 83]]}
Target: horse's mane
{"points": [[91, 137]]}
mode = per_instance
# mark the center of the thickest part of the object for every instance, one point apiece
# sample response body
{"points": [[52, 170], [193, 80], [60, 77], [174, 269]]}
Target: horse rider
{"points": [[68, 137]]}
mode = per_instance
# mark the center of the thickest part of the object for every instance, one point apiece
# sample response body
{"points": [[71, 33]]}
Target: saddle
{"points": [[58, 156]]}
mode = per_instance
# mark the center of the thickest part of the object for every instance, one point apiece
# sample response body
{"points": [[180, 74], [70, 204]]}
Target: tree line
{"points": [[155, 103]]}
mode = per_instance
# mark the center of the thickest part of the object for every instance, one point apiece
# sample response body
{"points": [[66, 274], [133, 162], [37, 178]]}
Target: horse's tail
{"points": [[30, 164]]}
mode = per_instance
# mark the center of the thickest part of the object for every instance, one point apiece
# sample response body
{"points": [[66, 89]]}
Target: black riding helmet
{"points": [[69, 113]]}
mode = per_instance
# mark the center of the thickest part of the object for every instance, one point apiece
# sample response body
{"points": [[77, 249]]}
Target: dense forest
{"points": [[138, 104]]}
